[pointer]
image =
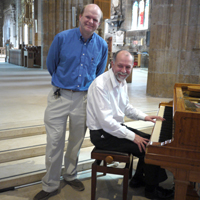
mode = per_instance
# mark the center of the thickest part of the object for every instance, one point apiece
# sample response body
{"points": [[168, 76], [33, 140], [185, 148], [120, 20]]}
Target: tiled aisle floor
{"points": [[22, 104], [23, 95]]}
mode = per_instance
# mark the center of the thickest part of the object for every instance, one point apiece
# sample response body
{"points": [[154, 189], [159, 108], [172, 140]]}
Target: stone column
{"points": [[35, 22], [45, 32], [1, 24], [68, 14], [59, 16], [174, 54], [39, 22]]}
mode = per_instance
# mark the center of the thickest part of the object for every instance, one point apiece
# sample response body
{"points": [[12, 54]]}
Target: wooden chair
{"points": [[107, 157]]}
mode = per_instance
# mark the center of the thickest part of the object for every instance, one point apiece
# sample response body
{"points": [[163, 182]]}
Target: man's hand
{"points": [[141, 142], [151, 118]]}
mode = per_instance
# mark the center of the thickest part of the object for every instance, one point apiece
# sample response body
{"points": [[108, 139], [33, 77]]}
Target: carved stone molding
{"points": [[26, 16], [10, 12]]}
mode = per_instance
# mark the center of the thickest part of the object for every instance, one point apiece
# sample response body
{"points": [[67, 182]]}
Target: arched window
{"points": [[25, 34], [140, 15], [134, 15]]}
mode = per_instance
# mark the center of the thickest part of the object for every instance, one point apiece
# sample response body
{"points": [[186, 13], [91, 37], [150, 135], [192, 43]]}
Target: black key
{"points": [[166, 128]]}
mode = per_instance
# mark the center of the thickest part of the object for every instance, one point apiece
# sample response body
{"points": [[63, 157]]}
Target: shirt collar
{"points": [[81, 37], [114, 81]]}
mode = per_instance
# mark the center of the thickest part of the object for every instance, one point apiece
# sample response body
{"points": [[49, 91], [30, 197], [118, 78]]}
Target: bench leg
{"points": [[131, 167], [125, 183], [105, 165], [94, 180]]}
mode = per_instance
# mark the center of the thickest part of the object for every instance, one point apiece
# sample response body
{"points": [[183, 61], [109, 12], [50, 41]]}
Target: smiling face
{"points": [[122, 65], [89, 20]]}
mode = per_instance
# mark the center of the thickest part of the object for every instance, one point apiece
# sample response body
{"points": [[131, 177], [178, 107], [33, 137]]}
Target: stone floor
{"points": [[109, 187], [23, 101]]}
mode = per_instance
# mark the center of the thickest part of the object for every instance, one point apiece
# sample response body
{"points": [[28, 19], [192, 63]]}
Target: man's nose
{"points": [[91, 20], [123, 70]]}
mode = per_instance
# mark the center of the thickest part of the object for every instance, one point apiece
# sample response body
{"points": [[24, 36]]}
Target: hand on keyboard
{"points": [[152, 118]]}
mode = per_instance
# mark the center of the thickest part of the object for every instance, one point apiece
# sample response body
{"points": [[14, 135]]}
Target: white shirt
{"points": [[108, 103]]}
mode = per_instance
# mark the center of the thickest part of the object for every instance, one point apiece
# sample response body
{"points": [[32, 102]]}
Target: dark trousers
{"points": [[153, 175]]}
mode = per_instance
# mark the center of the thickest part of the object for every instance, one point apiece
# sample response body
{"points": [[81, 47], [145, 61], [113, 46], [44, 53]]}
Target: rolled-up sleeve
{"points": [[134, 113]]}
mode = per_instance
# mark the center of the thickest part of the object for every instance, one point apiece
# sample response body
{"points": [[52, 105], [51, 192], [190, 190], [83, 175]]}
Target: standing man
{"points": [[76, 57], [107, 104]]}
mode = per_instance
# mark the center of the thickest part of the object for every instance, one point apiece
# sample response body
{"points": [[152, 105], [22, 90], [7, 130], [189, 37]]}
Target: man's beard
{"points": [[120, 78]]}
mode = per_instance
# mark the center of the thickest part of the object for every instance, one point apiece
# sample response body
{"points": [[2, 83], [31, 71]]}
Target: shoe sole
{"points": [[49, 195], [74, 187]]}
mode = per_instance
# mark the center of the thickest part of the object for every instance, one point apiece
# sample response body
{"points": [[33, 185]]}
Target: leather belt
{"points": [[70, 90]]}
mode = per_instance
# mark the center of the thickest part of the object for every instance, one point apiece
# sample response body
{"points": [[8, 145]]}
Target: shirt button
{"points": [[81, 64], [78, 86], [84, 43], [80, 75], [83, 54]]}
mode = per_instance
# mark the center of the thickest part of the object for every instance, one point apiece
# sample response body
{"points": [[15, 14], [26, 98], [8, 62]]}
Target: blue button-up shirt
{"points": [[73, 63]]}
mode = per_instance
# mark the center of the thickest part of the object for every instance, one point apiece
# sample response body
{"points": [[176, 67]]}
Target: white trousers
{"points": [[72, 104]]}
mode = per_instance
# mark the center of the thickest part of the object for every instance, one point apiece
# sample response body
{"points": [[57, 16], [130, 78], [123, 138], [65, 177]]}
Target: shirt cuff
{"points": [[129, 135], [142, 116]]}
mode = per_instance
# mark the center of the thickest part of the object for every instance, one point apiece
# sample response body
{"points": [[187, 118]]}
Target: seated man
{"points": [[107, 104]]}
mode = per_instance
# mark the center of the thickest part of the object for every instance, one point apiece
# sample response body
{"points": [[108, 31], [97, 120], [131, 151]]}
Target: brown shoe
{"points": [[76, 184], [42, 195]]}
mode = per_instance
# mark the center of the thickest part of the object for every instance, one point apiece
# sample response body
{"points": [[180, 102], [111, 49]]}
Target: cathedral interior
{"points": [[163, 36]]}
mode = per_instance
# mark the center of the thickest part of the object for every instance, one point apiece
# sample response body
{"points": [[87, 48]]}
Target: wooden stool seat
{"points": [[108, 157]]}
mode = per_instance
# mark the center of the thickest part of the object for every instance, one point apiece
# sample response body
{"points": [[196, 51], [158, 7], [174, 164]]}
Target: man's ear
{"points": [[111, 64], [99, 24], [80, 16]]}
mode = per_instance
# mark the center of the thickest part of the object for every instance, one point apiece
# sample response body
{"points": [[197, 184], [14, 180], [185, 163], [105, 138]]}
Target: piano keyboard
{"points": [[163, 129]]}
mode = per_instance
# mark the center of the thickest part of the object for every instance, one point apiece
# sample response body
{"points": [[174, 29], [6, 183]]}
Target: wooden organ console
{"points": [[175, 142]]}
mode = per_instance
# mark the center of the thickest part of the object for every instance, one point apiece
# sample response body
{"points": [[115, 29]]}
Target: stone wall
{"points": [[174, 53]]}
